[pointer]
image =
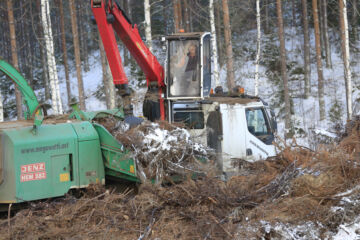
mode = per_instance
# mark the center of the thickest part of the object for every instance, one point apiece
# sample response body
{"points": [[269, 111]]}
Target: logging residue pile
{"points": [[161, 150], [300, 194]]}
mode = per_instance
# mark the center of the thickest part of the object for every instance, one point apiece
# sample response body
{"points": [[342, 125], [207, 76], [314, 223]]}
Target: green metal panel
{"points": [[49, 163], [117, 159], [8, 186], [38, 157], [85, 131], [91, 167]]}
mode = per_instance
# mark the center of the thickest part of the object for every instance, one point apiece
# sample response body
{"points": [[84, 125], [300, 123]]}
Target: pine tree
{"points": [[77, 54], [326, 34], [318, 60], [14, 55], [228, 44], [307, 69], [283, 66]]}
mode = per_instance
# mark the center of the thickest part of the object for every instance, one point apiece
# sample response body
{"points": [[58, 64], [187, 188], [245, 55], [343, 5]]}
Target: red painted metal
{"points": [[130, 36], [108, 38]]}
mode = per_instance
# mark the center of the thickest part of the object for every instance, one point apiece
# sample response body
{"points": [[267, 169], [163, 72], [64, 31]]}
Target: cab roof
{"points": [[186, 35]]}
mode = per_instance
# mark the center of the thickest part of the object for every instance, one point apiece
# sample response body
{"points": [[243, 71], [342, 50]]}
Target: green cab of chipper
{"points": [[49, 163]]}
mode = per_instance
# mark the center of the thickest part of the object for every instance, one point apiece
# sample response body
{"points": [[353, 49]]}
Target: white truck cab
{"points": [[236, 126]]}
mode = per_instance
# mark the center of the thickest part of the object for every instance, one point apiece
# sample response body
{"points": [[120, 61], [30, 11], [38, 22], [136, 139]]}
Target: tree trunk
{"points": [[321, 22], [283, 66], [14, 56], [45, 72], [83, 36], [258, 46], [49, 46], [219, 31], [147, 10], [318, 61], [77, 54], [107, 78], [1, 108], [326, 34], [228, 44], [65, 57], [346, 55], [179, 9], [355, 17], [176, 16], [307, 69], [293, 8], [214, 42], [186, 16], [267, 22], [128, 13]]}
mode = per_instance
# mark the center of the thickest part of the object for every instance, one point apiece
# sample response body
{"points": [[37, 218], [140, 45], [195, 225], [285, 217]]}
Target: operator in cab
{"points": [[184, 68]]}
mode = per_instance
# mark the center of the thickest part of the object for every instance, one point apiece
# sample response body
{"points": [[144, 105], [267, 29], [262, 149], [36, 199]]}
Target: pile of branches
{"points": [[161, 150], [296, 187]]}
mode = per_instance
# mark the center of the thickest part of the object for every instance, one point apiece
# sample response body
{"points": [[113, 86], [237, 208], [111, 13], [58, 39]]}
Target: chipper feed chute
{"points": [[117, 160]]}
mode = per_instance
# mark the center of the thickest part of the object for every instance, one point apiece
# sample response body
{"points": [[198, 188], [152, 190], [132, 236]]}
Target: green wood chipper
{"points": [[45, 158]]}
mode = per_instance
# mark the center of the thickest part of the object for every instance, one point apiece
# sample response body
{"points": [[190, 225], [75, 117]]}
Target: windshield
{"points": [[193, 120], [258, 124], [184, 65]]}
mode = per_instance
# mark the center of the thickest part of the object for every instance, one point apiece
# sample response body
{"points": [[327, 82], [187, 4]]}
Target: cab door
{"points": [[259, 135]]}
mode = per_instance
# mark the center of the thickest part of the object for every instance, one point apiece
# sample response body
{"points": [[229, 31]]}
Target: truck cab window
{"points": [[193, 120], [184, 66], [258, 125]]}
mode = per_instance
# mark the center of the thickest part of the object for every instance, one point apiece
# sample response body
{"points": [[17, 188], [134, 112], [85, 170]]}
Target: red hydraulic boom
{"points": [[109, 17]]}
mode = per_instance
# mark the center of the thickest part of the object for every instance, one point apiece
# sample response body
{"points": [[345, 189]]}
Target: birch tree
{"points": [[214, 43], [49, 46], [307, 68], [346, 55], [258, 46], [318, 60], [283, 65], [228, 44], [14, 55], [77, 54], [148, 24]]}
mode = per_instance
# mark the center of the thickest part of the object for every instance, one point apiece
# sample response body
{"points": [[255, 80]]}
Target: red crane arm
{"points": [[109, 16]]}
